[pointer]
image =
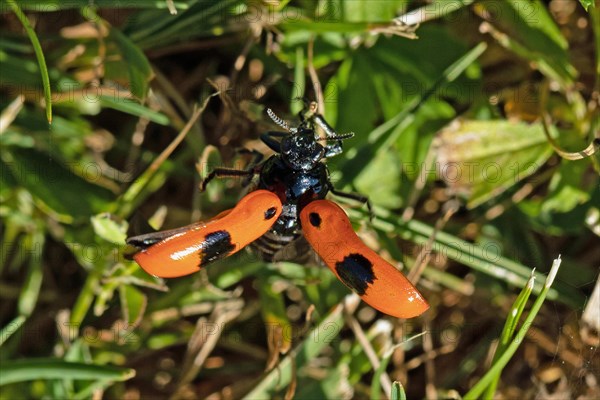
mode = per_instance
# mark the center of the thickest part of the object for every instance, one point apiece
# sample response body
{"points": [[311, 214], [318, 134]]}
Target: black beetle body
{"points": [[297, 174]]}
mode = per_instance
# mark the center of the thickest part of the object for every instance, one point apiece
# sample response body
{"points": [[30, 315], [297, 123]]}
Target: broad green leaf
{"points": [[385, 190], [481, 159], [354, 113], [376, 83], [568, 187], [549, 219], [398, 167], [132, 274], [44, 368], [56, 187], [109, 229], [328, 47]]}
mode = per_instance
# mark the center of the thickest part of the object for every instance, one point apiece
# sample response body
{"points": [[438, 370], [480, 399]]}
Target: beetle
{"points": [[287, 208]]}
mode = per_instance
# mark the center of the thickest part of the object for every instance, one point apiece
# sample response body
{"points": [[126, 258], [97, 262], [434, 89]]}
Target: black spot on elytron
{"points": [[270, 213], [356, 272], [315, 219], [217, 245]]}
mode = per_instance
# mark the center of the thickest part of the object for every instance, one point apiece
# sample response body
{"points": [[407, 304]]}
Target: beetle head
{"points": [[300, 150]]}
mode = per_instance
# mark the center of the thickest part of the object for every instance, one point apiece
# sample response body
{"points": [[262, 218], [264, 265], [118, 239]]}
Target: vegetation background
{"points": [[447, 100]]}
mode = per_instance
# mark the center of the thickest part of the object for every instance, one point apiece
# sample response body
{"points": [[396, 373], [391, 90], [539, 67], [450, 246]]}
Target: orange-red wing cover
{"points": [[188, 250], [328, 230]]}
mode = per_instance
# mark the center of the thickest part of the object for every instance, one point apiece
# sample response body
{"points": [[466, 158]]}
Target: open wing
{"points": [[182, 251], [328, 230]]}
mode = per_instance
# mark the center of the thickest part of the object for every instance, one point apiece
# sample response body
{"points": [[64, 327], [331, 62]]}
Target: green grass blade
{"points": [[587, 4], [88, 391], [515, 315], [509, 329], [45, 368], [130, 106], [595, 17], [198, 20], [375, 392], [299, 82], [84, 300], [31, 289], [398, 392], [10, 328], [54, 6], [497, 367], [138, 66], [37, 47]]}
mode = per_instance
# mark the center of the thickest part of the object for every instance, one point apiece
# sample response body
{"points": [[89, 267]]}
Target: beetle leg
{"points": [[224, 173], [253, 165], [268, 139]]}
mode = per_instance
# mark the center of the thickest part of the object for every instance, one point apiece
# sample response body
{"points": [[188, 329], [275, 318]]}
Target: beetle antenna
{"points": [[278, 120], [338, 136]]}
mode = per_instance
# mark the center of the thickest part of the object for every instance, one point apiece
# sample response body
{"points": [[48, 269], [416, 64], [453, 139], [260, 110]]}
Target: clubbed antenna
{"points": [[278, 120]]}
